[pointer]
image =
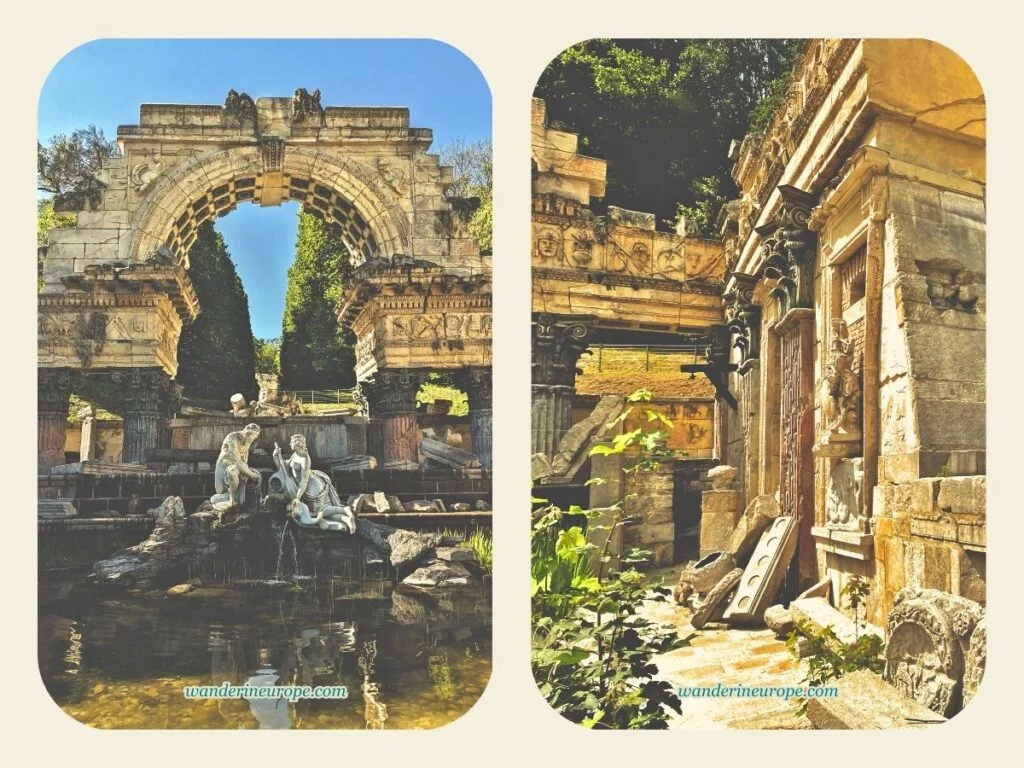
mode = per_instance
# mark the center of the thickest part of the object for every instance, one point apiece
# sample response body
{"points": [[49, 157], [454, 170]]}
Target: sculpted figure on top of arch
{"points": [[306, 104]]}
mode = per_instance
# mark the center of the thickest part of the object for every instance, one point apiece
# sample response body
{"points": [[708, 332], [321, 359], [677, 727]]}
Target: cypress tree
{"points": [[316, 353], [216, 357]]}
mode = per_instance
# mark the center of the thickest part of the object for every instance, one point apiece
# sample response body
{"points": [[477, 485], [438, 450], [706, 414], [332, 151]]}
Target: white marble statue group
{"points": [[309, 495]]}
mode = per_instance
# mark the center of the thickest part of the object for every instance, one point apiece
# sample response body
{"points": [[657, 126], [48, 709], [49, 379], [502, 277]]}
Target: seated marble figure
{"points": [[311, 499]]}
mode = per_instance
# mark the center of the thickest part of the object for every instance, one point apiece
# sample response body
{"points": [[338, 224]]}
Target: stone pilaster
{"points": [[558, 343], [477, 384], [147, 394], [796, 462], [54, 391], [392, 400]]}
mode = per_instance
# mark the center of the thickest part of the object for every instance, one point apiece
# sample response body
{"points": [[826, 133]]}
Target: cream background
{"points": [[511, 43]]}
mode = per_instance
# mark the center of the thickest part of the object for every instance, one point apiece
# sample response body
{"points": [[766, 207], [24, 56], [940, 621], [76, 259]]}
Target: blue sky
{"points": [[105, 81]]}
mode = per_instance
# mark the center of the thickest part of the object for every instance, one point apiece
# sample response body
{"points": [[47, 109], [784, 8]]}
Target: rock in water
{"points": [[438, 573], [157, 558]]}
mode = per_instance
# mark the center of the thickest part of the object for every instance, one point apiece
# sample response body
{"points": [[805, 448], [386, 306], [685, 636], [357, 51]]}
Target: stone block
{"points": [[909, 499], [962, 495], [867, 702], [722, 477], [719, 513]]}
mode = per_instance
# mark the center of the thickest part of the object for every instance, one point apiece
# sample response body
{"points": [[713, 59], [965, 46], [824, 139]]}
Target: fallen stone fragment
{"points": [[758, 514], [713, 605], [779, 620]]}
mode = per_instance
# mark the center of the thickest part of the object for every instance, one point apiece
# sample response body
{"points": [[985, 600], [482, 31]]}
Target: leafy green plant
{"points": [[592, 653], [828, 657]]}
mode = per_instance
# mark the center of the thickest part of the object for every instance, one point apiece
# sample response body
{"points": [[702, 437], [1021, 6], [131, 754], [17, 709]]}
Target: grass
{"points": [[431, 391], [480, 541]]}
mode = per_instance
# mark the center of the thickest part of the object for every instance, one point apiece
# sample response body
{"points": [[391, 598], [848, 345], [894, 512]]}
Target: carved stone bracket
{"points": [[558, 343], [789, 250], [717, 365], [743, 317]]}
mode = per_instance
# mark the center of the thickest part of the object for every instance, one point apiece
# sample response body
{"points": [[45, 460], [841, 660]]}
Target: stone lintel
{"points": [[851, 544]]}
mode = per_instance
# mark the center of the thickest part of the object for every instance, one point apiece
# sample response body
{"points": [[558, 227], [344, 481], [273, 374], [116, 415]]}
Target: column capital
{"points": [[558, 342], [392, 391], [789, 248]]}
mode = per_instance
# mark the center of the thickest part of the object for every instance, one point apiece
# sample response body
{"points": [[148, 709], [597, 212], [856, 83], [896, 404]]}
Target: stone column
{"points": [[54, 391], [87, 444], [147, 393], [477, 384], [558, 343], [392, 400]]}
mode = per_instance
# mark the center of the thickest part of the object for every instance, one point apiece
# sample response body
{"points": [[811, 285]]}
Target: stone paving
{"points": [[730, 656]]}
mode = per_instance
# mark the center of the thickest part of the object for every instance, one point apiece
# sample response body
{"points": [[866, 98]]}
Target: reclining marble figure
{"points": [[312, 500]]}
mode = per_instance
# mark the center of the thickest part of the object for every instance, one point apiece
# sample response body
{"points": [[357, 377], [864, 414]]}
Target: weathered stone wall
{"points": [[652, 507], [886, 140]]}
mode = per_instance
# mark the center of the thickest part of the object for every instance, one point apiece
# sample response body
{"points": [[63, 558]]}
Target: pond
{"points": [[120, 660]]}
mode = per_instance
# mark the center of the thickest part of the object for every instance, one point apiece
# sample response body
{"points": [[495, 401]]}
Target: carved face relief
{"points": [[548, 246], [394, 173]]}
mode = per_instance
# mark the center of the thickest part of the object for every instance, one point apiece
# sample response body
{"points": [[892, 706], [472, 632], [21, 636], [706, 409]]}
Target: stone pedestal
{"points": [[558, 343], [477, 384], [54, 391], [795, 332], [719, 512]]}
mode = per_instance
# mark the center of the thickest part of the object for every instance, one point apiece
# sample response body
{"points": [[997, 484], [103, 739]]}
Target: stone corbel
{"points": [[743, 316]]}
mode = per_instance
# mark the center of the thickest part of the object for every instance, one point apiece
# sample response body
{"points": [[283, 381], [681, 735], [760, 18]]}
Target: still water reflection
{"points": [[409, 660]]}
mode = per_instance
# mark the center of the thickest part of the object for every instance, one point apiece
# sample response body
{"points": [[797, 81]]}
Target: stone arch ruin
{"points": [[116, 289]]}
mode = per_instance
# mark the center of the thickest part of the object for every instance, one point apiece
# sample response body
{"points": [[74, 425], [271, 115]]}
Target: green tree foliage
{"points": [[662, 112], [473, 174], [216, 357], [66, 167], [268, 355], [316, 353]]}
